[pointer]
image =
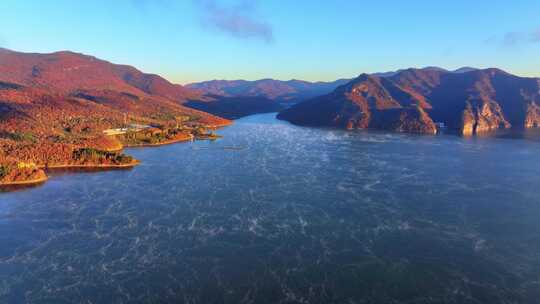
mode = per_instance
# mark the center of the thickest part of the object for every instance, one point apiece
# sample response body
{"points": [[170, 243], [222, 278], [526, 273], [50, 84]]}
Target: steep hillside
{"points": [[469, 101], [68, 71], [53, 105]]}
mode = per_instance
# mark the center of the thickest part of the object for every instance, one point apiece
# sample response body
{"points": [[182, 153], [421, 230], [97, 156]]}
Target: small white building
{"points": [[120, 131]]}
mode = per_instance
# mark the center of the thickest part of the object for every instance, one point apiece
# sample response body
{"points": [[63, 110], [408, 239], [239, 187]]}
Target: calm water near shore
{"points": [[278, 213]]}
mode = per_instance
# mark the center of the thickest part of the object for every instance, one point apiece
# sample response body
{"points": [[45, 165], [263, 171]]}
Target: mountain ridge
{"points": [[282, 91], [293, 90], [471, 102]]}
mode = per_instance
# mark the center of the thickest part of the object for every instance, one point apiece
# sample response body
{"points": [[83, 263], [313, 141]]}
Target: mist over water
{"points": [[279, 213]]}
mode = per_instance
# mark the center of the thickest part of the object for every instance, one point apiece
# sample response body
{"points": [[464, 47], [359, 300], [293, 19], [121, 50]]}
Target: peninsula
{"points": [[57, 111]]}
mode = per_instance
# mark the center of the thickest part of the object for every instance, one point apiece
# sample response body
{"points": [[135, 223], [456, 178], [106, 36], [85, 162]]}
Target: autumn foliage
{"points": [[53, 106]]}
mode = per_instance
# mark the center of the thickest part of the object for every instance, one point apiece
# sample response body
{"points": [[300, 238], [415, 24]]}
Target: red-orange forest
{"points": [[55, 107]]}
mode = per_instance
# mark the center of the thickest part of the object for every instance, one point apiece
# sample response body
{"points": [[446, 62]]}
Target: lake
{"points": [[276, 213]]}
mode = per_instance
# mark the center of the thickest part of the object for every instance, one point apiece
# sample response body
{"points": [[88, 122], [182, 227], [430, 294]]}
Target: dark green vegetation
{"points": [[20, 136], [204, 133], [4, 170], [91, 155], [154, 136], [132, 138]]}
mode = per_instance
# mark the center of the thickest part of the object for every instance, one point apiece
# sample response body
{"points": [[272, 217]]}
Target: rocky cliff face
{"points": [[482, 116], [470, 102], [532, 116], [409, 119]]}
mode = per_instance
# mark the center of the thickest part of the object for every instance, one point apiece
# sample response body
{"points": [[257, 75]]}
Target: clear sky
{"points": [[194, 40]]}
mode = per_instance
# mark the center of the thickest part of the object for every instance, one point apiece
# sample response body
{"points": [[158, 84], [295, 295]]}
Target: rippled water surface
{"points": [[279, 213]]}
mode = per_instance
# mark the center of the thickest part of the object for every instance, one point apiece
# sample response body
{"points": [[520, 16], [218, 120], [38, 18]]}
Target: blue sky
{"points": [[194, 40]]}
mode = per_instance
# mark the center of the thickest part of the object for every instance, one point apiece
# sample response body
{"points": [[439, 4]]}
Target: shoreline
{"points": [[169, 142], [5, 186], [32, 182], [91, 166], [12, 186]]}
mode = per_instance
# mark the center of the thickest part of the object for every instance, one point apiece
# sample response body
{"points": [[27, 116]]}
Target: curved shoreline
{"points": [[30, 182], [5, 186], [43, 179], [169, 142], [91, 166]]}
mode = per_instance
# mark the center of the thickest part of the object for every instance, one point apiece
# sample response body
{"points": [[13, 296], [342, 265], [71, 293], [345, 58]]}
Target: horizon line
{"points": [[172, 79]]}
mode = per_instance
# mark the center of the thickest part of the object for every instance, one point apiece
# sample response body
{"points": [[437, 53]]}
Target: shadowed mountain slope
{"points": [[470, 101]]}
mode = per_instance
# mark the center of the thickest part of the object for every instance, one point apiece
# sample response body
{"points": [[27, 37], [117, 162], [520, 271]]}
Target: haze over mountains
{"points": [[283, 91]]}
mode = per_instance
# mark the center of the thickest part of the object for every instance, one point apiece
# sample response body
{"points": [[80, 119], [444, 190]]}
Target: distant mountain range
{"points": [[278, 90], [233, 99], [432, 68], [467, 100], [291, 91]]}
